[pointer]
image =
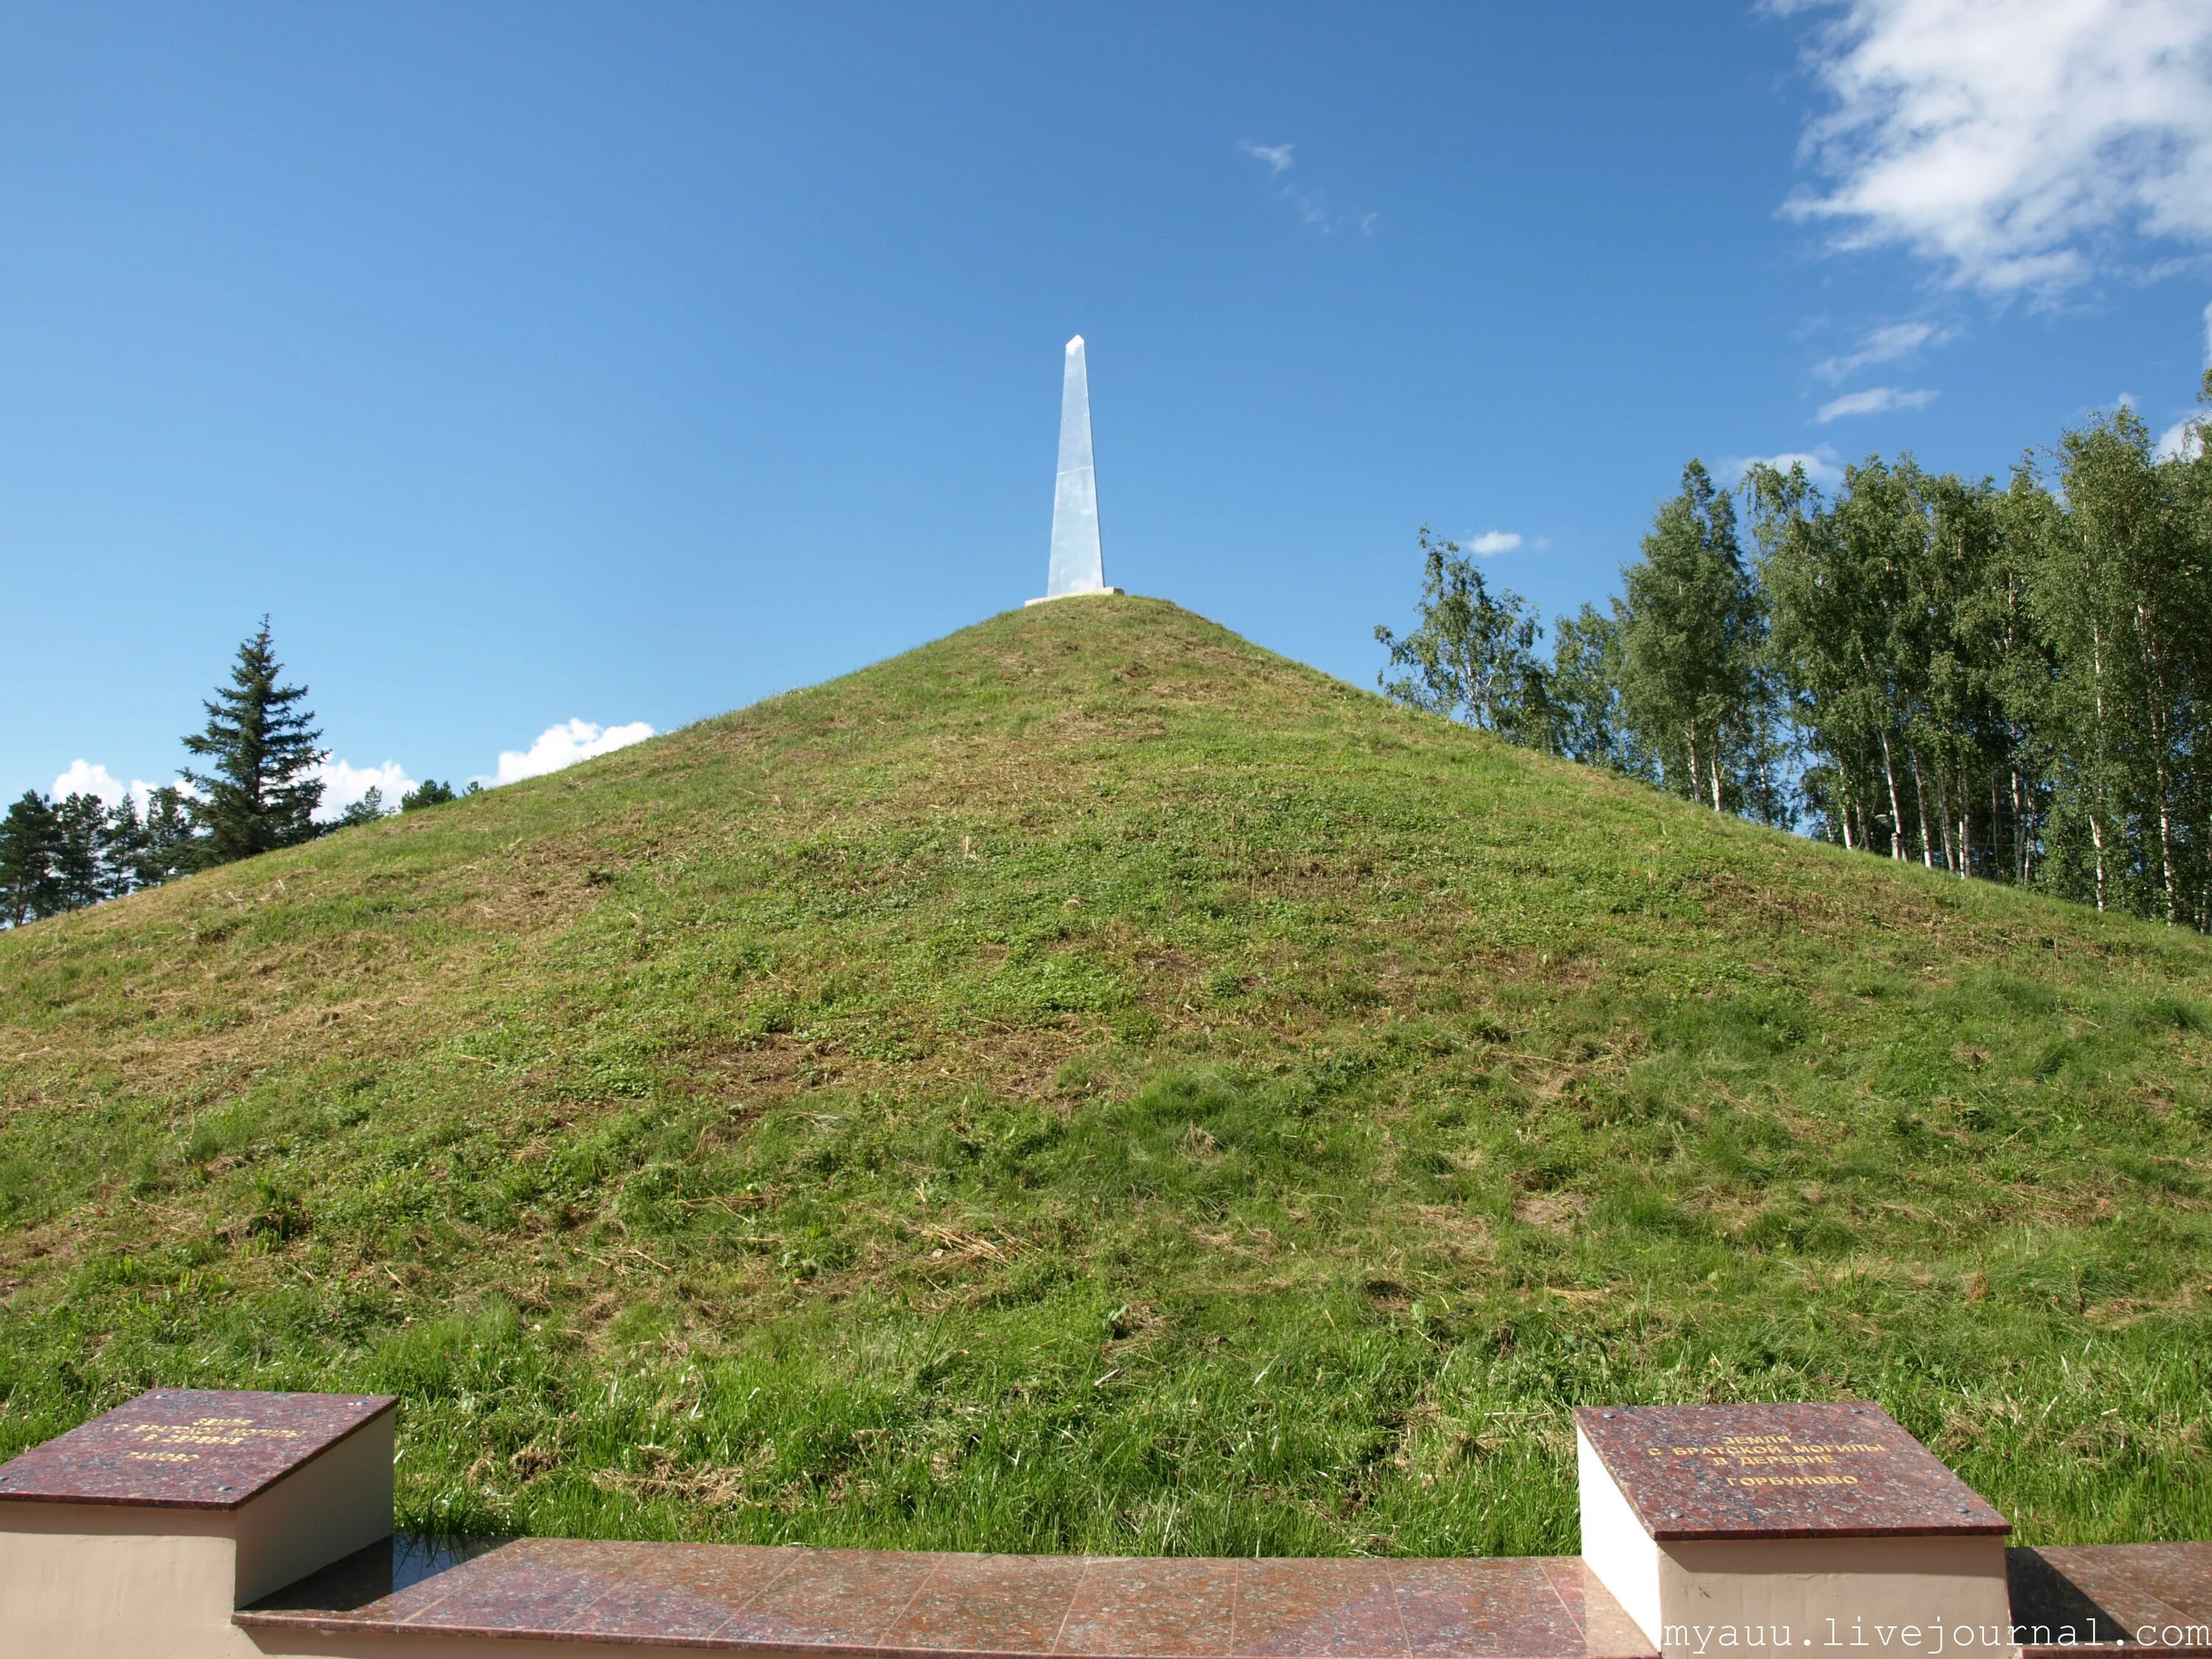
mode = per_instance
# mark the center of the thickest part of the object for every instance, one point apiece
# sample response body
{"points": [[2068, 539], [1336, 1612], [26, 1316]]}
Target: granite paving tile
{"points": [[1607, 1631], [736, 1596], [1498, 1606], [385, 1583], [834, 1598], [988, 1604], [1781, 1471], [2178, 1575], [203, 1449], [528, 1587], [1318, 1609], [1151, 1608], [683, 1590], [2049, 1609], [2154, 1595]]}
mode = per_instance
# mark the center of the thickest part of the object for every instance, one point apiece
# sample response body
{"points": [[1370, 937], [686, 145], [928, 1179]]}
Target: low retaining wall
{"points": [[198, 1525]]}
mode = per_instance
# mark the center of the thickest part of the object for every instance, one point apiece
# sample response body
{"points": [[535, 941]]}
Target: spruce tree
{"points": [[261, 791]]}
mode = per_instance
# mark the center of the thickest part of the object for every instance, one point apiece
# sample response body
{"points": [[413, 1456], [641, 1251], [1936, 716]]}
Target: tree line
{"points": [[257, 789], [2009, 683]]}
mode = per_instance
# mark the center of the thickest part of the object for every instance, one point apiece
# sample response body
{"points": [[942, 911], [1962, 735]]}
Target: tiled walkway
{"points": [[890, 1602], [894, 1605]]}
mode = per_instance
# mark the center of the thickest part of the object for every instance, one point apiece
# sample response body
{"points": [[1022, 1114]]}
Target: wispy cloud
{"points": [[565, 744], [1874, 400], [1884, 345], [1822, 465], [1313, 212], [1492, 541], [2014, 145], [1277, 156]]}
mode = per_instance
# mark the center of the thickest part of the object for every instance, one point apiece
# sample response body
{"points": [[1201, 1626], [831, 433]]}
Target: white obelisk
{"points": [[1077, 566]]}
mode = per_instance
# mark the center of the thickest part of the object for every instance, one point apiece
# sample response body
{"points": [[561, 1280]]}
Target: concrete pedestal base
{"points": [[1085, 593]]}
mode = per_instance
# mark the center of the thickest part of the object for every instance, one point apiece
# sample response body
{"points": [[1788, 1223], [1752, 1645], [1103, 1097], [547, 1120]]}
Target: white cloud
{"points": [[2184, 439], [1494, 541], [87, 778], [1823, 465], [1883, 345], [1277, 156], [93, 778], [565, 744], [2011, 142], [344, 784], [1874, 400]]}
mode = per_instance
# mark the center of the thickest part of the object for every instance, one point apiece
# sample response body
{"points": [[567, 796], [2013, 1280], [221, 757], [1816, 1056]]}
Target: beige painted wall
{"points": [[82, 1581], [323, 1510], [1888, 1593]]}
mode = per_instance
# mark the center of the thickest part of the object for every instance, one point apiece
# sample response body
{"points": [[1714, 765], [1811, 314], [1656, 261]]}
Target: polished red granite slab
{"points": [[1780, 1471], [2154, 1598], [888, 1604], [188, 1448], [2146, 1595]]}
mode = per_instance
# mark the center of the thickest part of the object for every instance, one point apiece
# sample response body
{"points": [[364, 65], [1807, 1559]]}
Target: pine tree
{"points": [[165, 846], [261, 793], [122, 849], [367, 810], [80, 834], [28, 887], [429, 792]]}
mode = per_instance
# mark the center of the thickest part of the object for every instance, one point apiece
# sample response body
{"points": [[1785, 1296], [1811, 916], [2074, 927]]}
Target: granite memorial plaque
{"points": [[1766, 1528], [142, 1531]]}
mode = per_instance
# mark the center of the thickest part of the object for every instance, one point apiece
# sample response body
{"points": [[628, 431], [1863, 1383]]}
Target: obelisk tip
{"points": [[1075, 345]]}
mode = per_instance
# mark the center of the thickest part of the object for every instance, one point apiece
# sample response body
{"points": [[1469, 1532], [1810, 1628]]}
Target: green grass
{"points": [[1090, 1083]]}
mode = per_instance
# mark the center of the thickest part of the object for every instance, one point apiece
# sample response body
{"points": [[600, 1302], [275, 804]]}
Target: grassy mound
{"points": [[1092, 1083]]}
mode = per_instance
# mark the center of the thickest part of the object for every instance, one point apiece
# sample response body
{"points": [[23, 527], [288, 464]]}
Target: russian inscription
{"points": [[1779, 1471], [188, 1447]]}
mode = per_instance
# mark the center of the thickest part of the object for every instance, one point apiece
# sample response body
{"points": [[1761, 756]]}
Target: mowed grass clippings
{"points": [[1089, 1083]]}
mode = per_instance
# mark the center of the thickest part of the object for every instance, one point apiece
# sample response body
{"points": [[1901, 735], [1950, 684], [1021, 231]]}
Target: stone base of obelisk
{"points": [[1085, 593]]}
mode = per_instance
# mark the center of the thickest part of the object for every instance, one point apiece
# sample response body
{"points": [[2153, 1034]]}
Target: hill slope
{"points": [[1089, 1083]]}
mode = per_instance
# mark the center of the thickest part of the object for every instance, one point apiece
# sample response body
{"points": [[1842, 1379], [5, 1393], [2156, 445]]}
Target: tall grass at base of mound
{"points": [[1088, 1084]]}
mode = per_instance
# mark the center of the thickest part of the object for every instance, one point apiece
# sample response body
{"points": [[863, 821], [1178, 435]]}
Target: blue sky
{"points": [[618, 366]]}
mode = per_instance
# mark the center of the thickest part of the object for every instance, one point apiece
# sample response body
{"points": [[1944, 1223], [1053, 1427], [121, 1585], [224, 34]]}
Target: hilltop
{"points": [[1089, 1083]]}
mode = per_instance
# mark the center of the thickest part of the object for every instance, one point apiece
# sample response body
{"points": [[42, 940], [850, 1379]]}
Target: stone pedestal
{"points": [[137, 1535], [1789, 1528]]}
